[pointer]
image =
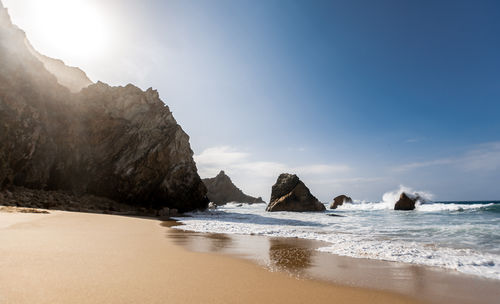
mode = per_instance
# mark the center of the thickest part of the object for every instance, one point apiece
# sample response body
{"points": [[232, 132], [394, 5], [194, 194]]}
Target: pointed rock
{"points": [[221, 190], [289, 193], [406, 202]]}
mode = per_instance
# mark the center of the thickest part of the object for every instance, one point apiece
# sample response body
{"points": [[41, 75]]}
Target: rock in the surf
{"points": [[289, 193], [406, 202], [340, 200]]}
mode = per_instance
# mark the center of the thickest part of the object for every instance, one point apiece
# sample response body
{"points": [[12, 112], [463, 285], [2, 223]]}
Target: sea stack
{"points": [[120, 143], [340, 200], [289, 193], [221, 190], [406, 202]]}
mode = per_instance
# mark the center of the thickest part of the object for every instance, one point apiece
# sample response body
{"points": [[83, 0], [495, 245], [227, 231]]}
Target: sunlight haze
{"points": [[354, 99]]}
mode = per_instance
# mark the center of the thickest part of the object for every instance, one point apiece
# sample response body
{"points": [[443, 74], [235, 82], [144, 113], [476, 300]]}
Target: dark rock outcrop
{"points": [[221, 190], [289, 193], [406, 202], [61, 200], [120, 143], [339, 201]]}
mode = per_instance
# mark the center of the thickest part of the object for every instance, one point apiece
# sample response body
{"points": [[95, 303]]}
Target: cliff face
{"points": [[117, 142], [221, 190]]}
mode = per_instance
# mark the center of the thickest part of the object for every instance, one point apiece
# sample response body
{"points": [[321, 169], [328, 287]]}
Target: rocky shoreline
{"points": [[65, 201]]}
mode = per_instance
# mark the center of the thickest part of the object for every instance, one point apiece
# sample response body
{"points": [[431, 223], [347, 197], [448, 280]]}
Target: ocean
{"points": [[463, 236]]}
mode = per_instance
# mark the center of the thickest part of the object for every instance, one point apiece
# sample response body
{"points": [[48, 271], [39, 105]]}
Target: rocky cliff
{"points": [[221, 190], [118, 142]]}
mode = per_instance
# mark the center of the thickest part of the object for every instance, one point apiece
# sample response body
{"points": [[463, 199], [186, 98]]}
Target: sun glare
{"points": [[75, 29]]}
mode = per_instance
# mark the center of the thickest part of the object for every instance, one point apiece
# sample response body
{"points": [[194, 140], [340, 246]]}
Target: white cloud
{"points": [[220, 156], [228, 158], [257, 176]]}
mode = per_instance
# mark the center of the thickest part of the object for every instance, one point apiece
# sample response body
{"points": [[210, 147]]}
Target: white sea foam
{"points": [[390, 198], [433, 235], [426, 207]]}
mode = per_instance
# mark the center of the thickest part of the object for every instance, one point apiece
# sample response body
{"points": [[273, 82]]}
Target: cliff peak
{"points": [[70, 134], [221, 190]]}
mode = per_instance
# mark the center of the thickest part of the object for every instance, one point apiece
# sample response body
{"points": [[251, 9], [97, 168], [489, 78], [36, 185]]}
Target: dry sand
{"points": [[67, 257]]}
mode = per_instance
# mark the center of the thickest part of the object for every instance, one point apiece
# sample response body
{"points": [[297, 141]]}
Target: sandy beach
{"points": [[65, 257]]}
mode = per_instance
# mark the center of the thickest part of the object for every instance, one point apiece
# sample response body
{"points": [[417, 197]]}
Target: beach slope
{"points": [[66, 257]]}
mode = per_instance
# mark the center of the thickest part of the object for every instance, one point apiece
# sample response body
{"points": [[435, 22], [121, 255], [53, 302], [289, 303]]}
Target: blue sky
{"points": [[356, 97]]}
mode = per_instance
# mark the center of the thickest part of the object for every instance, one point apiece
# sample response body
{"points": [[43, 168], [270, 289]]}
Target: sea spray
{"points": [[390, 198]]}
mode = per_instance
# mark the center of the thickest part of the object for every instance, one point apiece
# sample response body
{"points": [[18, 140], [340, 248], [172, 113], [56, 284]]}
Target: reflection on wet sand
{"points": [[288, 257], [202, 242], [218, 242], [300, 258]]}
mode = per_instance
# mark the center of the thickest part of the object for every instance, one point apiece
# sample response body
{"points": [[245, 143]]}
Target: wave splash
{"points": [[389, 199], [425, 203]]}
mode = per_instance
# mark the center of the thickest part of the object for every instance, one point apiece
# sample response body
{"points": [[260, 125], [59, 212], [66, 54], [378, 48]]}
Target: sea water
{"points": [[464, 236]]}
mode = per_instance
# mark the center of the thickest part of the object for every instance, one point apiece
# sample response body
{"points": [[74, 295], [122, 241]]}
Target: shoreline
{"points": [[300, 259], [71, 257]]}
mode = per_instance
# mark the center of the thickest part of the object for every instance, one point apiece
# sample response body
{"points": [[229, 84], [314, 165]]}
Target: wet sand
{"points": [[66, 257], [299, 258]]}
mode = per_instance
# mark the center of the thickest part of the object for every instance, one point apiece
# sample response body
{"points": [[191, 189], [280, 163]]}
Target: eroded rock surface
{"points": [[289, 193], [221, 190], [121, 143]]}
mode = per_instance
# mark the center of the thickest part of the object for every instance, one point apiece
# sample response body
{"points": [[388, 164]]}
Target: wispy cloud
{"points": [[348, 180], [213, 159], [416, 165], [483, 157], [220, 156], [414, 140]]}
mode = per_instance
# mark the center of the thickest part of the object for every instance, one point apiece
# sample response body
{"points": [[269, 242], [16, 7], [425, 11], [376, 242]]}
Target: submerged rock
{"points": [[221, 190], [339, 201], [289, 193], [406, 202], [116, 142]]}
